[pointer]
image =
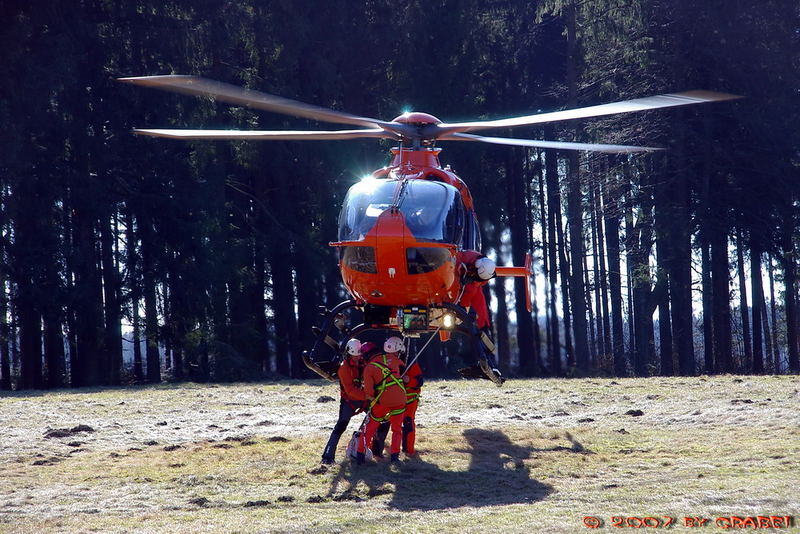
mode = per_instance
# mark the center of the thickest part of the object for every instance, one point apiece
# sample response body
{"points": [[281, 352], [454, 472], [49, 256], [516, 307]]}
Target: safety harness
{"points": [[388, 380]]}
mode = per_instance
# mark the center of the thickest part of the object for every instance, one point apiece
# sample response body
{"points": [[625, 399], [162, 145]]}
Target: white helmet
{"points": [[353, 347], [485, 268], [393, 344]]}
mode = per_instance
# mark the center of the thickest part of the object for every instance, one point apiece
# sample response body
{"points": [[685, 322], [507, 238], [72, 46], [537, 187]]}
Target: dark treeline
{"points": [[207, 260]]}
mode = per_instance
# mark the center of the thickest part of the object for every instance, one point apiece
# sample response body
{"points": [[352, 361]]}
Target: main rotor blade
{"points": [[558, 145], [224, 92], [627, 106], [268, 135]]}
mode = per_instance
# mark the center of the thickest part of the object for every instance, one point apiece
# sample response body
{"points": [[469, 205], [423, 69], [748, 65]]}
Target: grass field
{"points": [[533, 456]]}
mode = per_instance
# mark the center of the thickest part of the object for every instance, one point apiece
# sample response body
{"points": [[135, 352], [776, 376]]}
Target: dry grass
{"points": [[534, 456]]}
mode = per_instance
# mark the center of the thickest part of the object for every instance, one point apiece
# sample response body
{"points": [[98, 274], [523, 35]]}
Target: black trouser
{"points": [[346, 412], [379, 441]]}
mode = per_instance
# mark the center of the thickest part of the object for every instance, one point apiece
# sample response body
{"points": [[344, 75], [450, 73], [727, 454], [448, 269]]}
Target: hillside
{"points": [[534, 456]]}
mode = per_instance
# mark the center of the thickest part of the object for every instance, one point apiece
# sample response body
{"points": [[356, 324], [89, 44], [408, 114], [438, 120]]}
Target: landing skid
{"points": [[327, 368], [328, 340], [491, 374], [317, 367]]}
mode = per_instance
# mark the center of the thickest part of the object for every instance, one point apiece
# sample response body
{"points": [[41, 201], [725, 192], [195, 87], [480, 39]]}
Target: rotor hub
{"points": [[417, 118]]}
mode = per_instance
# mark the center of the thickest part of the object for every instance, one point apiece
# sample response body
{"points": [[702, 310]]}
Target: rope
{"points": [[425, 346]]}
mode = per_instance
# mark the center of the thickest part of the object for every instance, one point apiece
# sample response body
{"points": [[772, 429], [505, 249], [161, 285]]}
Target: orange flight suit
{"points": [[473, 296], [413, 388], [352, 402], [384, 389]]}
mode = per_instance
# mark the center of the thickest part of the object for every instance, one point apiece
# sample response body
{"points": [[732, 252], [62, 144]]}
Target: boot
{"points": [[395, 457]]}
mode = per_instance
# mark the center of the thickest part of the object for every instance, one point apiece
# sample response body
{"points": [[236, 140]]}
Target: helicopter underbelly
{"points": [[389, 267]]}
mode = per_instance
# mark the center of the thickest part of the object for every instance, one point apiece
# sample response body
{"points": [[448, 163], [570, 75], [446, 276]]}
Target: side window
{"points": [[477, 232], [454, 223], [472, 233]]}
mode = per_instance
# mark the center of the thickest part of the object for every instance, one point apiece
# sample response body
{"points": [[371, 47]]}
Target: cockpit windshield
{"points": [[433, 210]]}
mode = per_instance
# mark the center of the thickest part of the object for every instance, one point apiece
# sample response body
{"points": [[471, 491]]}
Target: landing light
{"points": [[448, 321]]}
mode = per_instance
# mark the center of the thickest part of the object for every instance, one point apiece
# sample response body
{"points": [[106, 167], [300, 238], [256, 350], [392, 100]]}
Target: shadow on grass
{"points": [[496, 475]]}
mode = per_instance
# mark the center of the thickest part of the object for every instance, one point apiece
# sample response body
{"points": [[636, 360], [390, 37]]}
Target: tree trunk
{"points": [[758, 300], [25, 256], [593, 334], [769, 366], [640, 249], [134, 292], [283, 306], [553, 214], [565, 290], [530, 170], [680, 275], [708, 308], [577, 291], [774, 316], [71, 320], [574, 206], [89, 302], [720, 279], [789, 261], [743, 303], [306, 302], [713, 242], [666, 345], [259, 305], [598, 262], [152, 356], [629, 230], [515, 201], [113, 310], [179, 315], [30, 341], [54, 355], [499, 288], [5, 354], [611, 215], [603, 276]]}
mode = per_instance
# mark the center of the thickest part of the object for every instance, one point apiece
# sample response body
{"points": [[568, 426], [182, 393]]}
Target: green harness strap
{"points": [[388, 415], [388, 380]]}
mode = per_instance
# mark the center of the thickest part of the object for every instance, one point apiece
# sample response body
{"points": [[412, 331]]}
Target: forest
{"points": [[133, 260]]}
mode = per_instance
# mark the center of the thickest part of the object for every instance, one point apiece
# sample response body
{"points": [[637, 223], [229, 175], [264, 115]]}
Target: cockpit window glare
{"points": [[433, 211]]}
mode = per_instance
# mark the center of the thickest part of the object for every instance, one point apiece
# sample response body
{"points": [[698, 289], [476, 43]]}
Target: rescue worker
{"points": [[476, 270], [386, 395], [413, 380], [352, 398]]}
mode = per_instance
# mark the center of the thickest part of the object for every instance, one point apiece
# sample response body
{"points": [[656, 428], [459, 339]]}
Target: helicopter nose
{"points": [[390, 267]]}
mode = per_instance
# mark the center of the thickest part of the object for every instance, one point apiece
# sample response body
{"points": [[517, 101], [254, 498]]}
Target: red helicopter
{"points": [[402, 228]]}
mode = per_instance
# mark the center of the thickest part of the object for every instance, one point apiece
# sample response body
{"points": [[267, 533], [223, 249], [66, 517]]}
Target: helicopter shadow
{"points": [[496, 475]]}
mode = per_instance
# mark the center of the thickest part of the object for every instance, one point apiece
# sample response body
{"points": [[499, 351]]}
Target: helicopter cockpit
{"points": [[433, 211]]}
